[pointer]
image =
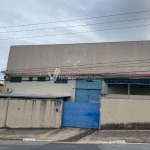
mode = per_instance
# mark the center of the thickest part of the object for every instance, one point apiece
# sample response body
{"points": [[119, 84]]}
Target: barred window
{"points": [[15, 79], [41, 79], [62, 81]]}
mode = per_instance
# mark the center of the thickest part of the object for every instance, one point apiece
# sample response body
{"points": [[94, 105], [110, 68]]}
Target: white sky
{"points": [[15, 12]]}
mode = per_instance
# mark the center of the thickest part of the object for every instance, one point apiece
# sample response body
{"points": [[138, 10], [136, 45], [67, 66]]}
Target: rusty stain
{"points": [[27, 110], [33, 111], [42, 111]]}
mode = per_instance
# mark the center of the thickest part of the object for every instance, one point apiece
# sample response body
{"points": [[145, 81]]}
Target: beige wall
{"points": [[1, 89], [52, 56], [116, 111], [43, 88], [31, 113]]}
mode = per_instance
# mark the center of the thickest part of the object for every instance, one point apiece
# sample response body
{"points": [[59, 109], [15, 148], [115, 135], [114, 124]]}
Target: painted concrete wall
{"points": [[60, 55], [116, 111], [31, 113], [43, 88]]}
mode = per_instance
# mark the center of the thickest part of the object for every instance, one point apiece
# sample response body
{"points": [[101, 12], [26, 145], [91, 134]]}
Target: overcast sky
{"points": [[17, 12]]}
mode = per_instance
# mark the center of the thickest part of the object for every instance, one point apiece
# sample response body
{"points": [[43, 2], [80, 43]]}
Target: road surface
{"points": [[22, 145]]}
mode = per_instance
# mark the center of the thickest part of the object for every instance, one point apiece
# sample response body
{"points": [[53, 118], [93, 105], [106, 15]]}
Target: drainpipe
{"points": [[6, 111]]}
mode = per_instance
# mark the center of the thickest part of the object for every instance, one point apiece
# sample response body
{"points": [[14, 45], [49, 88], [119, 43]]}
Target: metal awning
{"points": [[128, 81], [34, 96]]}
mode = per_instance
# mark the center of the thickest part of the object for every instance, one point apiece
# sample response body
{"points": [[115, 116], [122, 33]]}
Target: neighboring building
{"points": [[2, 82], [112, 69], [1, 88]]}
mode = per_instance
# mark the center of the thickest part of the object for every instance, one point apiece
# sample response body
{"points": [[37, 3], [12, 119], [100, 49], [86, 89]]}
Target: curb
{"points": [[29, 139], [96, 142], [123, 142]]}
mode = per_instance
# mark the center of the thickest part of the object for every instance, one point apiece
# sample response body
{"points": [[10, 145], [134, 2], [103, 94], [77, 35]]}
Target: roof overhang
{"points": [[34, 96]]}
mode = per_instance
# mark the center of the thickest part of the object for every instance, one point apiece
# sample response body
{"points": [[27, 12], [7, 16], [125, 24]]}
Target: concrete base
{"points": [[128, 126]]}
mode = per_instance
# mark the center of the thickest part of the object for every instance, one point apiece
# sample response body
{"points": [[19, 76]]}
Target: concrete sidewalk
{"points": [[77, 135], [19, 134], [128, 136], [64, 134]]}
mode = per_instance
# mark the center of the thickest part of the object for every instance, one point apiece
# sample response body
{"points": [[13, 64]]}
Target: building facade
{"points": [[90, 74]]}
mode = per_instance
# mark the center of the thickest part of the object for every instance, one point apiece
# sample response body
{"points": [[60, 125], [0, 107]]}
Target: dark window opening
{"points": [[30, 79], [41, 79], [139, 89], [133, 89], [117, 89], [15, 79], [63, 81]]}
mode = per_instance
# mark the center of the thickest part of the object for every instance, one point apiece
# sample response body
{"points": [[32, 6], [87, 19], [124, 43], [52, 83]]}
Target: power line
{"points": [[144, 11], [77, 25], [109, 29]]}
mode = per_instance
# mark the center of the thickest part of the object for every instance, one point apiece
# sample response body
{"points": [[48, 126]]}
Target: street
{"points": [[21, 145]]}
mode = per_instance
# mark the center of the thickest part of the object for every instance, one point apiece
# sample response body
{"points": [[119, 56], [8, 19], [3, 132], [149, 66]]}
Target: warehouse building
{"points": [[92, 76]]}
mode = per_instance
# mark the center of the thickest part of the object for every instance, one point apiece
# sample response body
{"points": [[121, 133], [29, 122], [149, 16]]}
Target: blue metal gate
{"points": [[87, 96], [94, 96], [82, 95], [76, 114], [88, 91]]}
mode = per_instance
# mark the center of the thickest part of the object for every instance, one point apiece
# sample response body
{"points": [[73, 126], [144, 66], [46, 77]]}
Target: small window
{"points": [[63, 81], [30, 79], [41, 79], [15, 79]]}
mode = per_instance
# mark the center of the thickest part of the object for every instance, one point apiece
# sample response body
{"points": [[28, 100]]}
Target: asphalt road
{"points": [[20, 145]]}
